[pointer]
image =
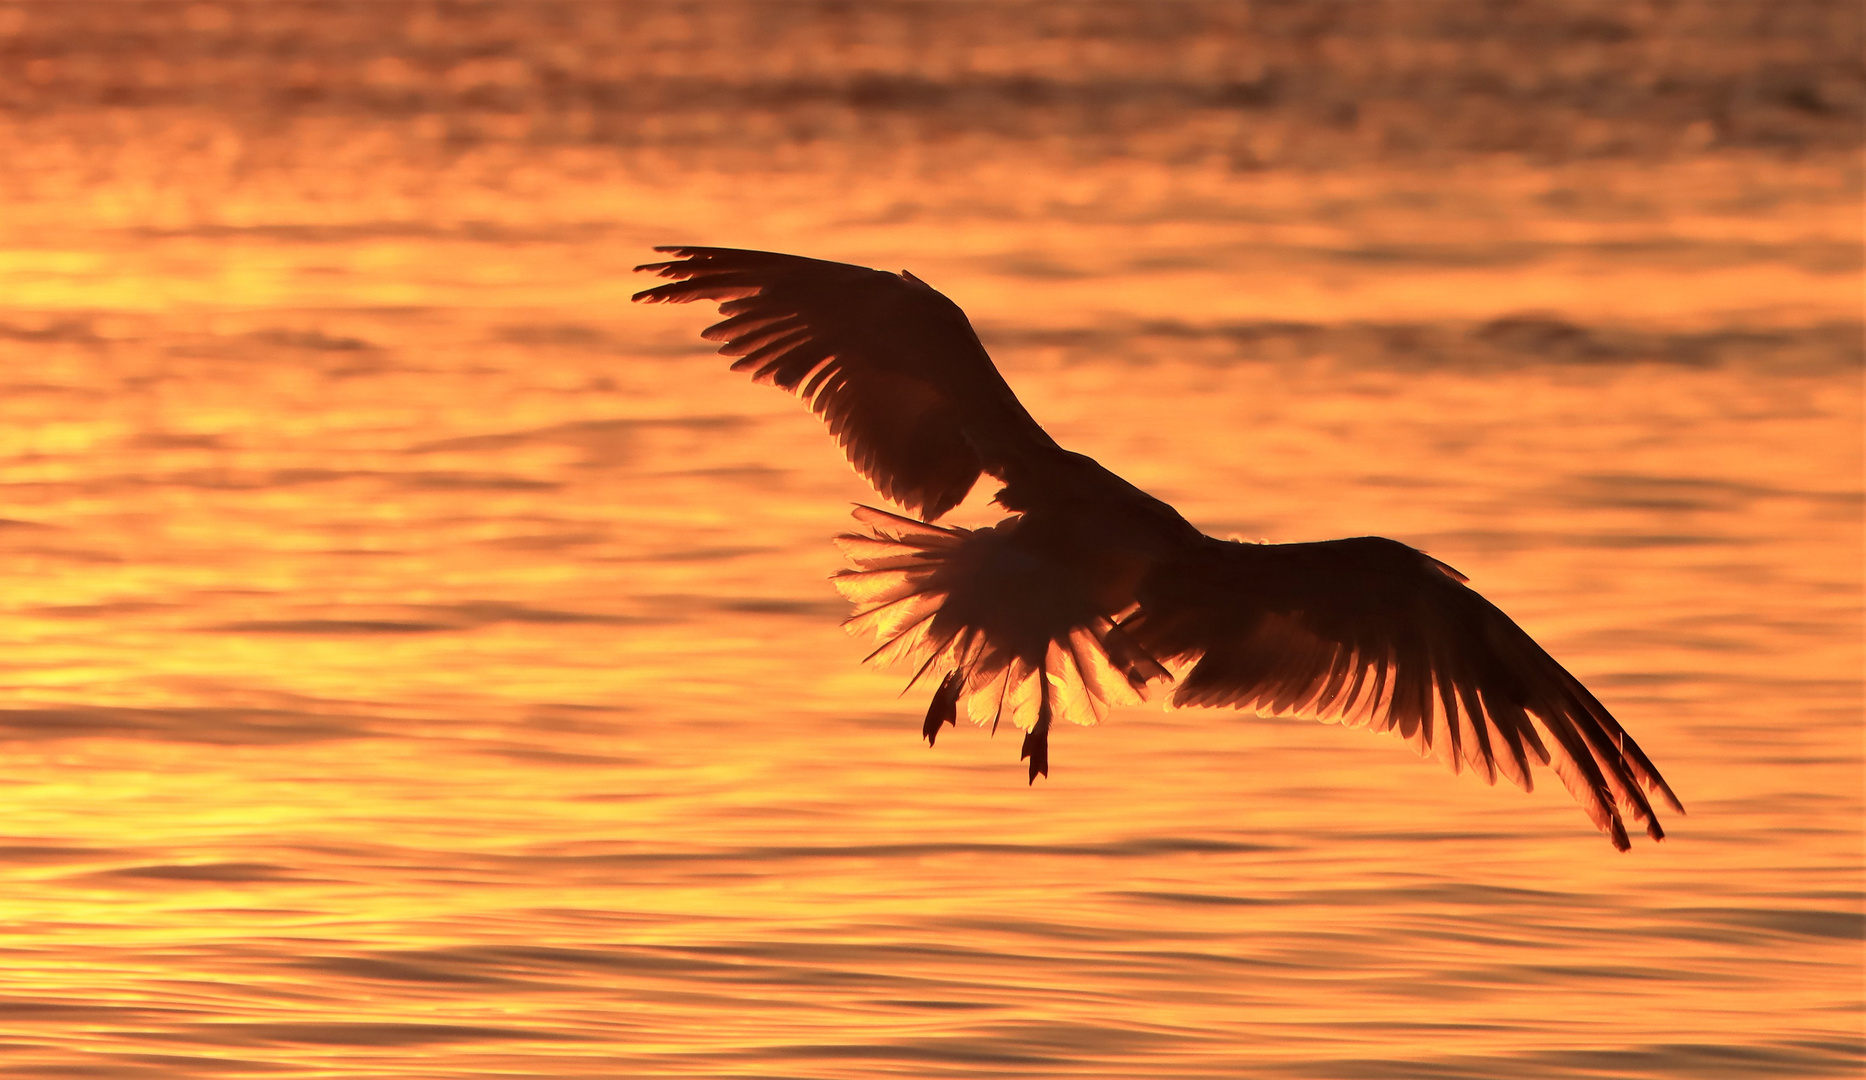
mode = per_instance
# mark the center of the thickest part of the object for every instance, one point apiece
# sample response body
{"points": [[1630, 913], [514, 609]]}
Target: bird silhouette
{"points": [[1092, 591]]}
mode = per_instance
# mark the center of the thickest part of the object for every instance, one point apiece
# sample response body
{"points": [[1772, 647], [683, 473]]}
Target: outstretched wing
{"points": [[1370, 631], [893, 366]]}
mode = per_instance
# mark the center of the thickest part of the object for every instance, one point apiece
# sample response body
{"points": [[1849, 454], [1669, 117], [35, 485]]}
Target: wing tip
{"points": [[1656, 783], [684, 256], [682, 252]]}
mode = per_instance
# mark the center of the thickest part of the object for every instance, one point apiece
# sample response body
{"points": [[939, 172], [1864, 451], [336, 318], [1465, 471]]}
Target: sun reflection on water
{"points": [[422, 662]]}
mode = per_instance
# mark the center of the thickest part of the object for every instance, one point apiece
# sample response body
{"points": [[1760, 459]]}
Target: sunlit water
{"points": [[419, 662]]}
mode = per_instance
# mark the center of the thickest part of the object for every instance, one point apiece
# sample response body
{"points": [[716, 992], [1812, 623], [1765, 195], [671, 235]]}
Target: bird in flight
{"points": [[1092, 591]]}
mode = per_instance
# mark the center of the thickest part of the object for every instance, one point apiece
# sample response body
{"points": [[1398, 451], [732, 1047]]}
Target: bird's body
{"points": [[1093, 591]]}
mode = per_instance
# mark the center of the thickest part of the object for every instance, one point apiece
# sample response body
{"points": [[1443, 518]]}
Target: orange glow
{"points": [[420, 662]]}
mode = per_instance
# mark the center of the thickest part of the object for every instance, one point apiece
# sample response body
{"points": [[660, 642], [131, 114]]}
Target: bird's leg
{"points": [[944, 709], [1037, 739]]}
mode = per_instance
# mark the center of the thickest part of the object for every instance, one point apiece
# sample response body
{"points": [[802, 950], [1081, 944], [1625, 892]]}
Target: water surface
{"points": [[420, 662]]}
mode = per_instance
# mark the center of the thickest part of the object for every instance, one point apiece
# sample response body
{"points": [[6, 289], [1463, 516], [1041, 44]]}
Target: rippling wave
{"points": [[421, 663]]}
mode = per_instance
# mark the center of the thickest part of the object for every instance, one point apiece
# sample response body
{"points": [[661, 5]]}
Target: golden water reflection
{"points": [[420, 662]]}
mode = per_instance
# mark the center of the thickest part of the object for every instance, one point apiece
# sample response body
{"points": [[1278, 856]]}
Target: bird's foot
{"points": [[944, 709], [1037, 750]]}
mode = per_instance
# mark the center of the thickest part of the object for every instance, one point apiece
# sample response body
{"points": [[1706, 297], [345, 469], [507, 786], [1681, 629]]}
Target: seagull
{"points": [[1092, 592]]}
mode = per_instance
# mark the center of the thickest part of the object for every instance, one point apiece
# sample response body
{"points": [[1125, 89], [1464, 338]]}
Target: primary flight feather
{"points": [[1093, 591]]}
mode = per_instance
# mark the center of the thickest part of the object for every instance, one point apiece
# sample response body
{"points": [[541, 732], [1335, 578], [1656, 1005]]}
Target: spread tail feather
{"points": [[1012, 632]]}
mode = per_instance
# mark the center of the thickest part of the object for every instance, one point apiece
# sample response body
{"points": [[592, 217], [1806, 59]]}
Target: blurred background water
{"points": [[418, 661]]}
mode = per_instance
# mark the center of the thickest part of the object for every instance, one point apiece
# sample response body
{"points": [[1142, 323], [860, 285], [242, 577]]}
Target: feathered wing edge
{"points": [[1442, 713], [1462, 681], [888, 363], [1467, 683], [936, 598]]}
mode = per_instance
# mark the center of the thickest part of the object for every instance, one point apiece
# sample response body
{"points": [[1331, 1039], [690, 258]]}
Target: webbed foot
{"points": [[944, 709], [1037, 749]]}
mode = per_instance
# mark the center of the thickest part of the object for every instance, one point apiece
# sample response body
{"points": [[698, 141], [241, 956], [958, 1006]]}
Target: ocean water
{"points": [[420, 662]]}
